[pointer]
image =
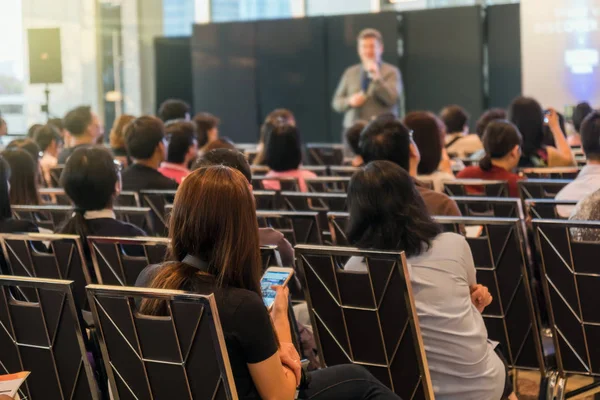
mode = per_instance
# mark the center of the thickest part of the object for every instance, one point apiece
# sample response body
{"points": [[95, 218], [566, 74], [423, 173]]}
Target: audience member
{"points": [[283, 155], [116, 139], [458, 142], [588, 209], [387, 138], [429, 135], [181, 150], [84, 128], [145, 143], [221, 143], [174, 109], [527, 114], [32, 130], [449, 302], [482, 123], [23, 179], [215, 250], [48, 139], [277, 116], [236, 160], [8, 224], [352, 135], [581, 111], [502, 143], [207, 129], [29, 146], [3, 127], [588, 180], [548, 135]]}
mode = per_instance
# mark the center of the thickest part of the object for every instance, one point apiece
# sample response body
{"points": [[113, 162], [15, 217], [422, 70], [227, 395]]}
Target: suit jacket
{"points": [[382, 94]]}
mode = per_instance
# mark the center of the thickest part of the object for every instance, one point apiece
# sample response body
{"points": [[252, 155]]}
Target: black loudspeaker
{"points": [[45, 64]]}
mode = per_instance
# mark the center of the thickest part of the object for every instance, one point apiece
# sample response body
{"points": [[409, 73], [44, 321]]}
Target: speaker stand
{"points": [[46, 106]]}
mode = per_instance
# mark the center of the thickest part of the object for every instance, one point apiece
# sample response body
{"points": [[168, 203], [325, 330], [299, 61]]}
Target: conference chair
{"points": [[550, 173], [287, 184], [156, 200], [369, 318], [541, 188], [55, 173], [343, 171], [178, 355], [298, 227], [476, 187], [325, 153], [332, 184], [59, 197], [571, 285], [547, 208], [267, 199], [44, 334], [503, 207], [319, 170]]}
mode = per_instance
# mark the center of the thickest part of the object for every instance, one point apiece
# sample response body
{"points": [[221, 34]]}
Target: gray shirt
{"points": [[462, 362]]}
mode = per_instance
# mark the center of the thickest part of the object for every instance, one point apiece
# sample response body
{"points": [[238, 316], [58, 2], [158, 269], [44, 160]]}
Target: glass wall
{"points": [[242, 10]]}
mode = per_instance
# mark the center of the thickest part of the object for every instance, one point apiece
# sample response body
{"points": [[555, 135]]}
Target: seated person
{"points": [[581, 111], [117, 139], [48, 139], [482, 123], [145, 142], [84, 128], [458, 142], [277, 116], [429, 134], [24, 178], [352, 135], [283, 155], [181, 150], [449, 302], [387, 138], [7, 223], [502, 143], [588, 209], [214, 249], [174, 110], [207, 129]]}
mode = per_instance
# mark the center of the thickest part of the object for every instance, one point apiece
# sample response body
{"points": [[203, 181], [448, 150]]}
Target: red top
{"points": [[174, 171], [495, 174]]}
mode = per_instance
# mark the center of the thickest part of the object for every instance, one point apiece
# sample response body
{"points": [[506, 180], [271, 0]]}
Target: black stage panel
{"points": [[291, 73], [173, 69], [224, 78], [443, 59]]}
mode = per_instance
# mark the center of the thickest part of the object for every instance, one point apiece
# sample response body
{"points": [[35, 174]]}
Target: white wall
{"points": [[334, 7]]}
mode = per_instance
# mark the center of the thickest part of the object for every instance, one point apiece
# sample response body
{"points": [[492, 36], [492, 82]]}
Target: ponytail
{"points": [[486, 163]]}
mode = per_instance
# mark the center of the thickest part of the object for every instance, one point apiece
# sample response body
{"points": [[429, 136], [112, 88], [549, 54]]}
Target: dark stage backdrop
{"points": [[173, 69], [443, 59]]}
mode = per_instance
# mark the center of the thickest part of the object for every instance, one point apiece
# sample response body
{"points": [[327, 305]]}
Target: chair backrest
{"points": [[47, 256], [476, 187], [59, 197], [550, 173], [266, 199], [570, 281], [298, 227], [312, 201], [546, 208], [541, 188], [156, 200], [338, 222], [344, 171], [335, 184], [181, 355], [285, 183], [325, 153], [367, 318], [44, 335], [319, 170], [502, 207], [55, 173]]}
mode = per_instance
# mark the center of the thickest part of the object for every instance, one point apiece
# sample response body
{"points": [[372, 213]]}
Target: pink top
{"points": [[173, 171], [300, 174]]}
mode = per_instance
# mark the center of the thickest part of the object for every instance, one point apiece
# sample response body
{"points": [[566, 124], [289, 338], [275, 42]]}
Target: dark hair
{"points": [[28, 145], [181, 136], [229, 158], [581, 111], [486, 118], [387, 212], [279, 116], [142, 136], [5, 210], [57, 123], [77, 120], [386, 138], [499, 139], [455, 118], [221, 143], [352, 135], [45, 135], [590, 136], [204, 123], [427, 134], [173, 109], [32, 130], [213, 218], [23, 180], [283, 149], [117, 133], [527, 114]]}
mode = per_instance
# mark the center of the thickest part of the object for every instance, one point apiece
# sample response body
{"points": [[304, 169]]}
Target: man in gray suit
{"points": [[370, 88]]}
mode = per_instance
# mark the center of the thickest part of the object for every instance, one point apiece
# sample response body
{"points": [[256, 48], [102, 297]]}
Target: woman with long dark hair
{"points": [[387, 213], [215, 249], [7, 223], [24, 177]]}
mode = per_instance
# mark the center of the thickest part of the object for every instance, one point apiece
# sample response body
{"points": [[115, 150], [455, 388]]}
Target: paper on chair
{"points": [[10, 384]]}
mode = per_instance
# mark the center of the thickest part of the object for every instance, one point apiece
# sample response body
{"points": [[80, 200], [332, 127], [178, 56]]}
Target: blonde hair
{"points": [[370, 33], [117, 133]]}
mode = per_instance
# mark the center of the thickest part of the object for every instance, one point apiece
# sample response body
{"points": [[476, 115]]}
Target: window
{"points": [[244, 10]]}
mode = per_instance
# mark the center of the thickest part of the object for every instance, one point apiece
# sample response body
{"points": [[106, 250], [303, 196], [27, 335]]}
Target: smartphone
{"points": [[274, 276]]}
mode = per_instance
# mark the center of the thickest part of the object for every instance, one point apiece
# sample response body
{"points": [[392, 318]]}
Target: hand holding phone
{"points": [[274, 276]]}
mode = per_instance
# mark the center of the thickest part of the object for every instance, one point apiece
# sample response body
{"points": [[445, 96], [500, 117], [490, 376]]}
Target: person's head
{"points": [[183, 146], [3, 127], [214, 219], [83, 122], [502, 142], [455, 118], [279, 116], [283, 149], [387, 212], [352, 135], [48, 139], [145, 140], [57, 123], [117, 133], [32, 130], [581, 111], [5, 210], [29, 146], [229, 158], [527, 114], [590, 136], [23, 178], [220, 143], [207, 127], [487, 117], [370, 45], [428, 136], [173, 109], [387, 138]]}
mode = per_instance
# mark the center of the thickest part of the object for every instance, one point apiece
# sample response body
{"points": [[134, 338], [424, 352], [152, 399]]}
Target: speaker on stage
{"points": [[45, 64]]}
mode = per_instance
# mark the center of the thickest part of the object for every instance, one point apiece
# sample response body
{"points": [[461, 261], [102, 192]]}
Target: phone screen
{"points": [[271, 278]]}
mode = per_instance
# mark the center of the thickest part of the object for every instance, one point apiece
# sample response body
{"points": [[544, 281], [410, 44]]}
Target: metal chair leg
{"points": [[561, 388], [548, 385]]}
